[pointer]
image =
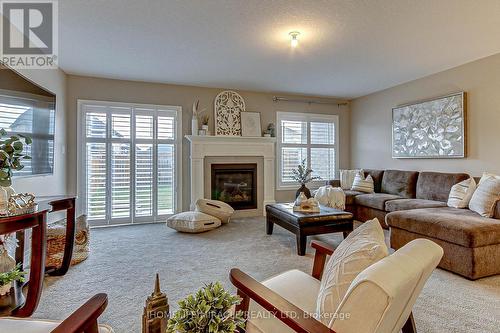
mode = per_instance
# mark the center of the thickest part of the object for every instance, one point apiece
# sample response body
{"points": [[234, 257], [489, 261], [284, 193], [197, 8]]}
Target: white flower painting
{"points": [[430, 129]]}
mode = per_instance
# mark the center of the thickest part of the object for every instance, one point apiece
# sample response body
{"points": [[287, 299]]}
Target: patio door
{"points": [[130, 161]]}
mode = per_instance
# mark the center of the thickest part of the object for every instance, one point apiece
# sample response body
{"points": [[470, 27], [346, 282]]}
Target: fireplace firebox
{"points": [[235, 184]]}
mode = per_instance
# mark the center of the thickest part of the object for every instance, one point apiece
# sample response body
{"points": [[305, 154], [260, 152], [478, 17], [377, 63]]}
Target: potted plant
{"points": [[7, 278], [303, 175], [207, 311], [11, 155], [204, 122]]}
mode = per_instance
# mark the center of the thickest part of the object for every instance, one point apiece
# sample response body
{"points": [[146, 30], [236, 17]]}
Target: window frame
{"points": [[155, 141], [308, 118]]}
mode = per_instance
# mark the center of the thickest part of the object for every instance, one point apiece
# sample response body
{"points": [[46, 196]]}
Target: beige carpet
{"points": [[124, 260]]}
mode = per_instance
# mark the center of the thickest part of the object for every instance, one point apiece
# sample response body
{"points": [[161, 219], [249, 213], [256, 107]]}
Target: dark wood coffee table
{"points": [[328, 220]]}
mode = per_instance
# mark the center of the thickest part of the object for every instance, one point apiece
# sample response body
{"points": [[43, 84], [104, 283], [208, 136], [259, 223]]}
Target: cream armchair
{"points": [[379, 300], [83, 320]]}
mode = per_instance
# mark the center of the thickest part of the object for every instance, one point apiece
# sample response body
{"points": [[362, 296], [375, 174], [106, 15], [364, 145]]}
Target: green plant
{"points": [[207, 311], [303, 174], [11, 154], [14, 275]]}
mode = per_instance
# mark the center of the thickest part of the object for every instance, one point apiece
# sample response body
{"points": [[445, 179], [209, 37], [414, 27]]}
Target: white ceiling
{"points": [[348, 48]]}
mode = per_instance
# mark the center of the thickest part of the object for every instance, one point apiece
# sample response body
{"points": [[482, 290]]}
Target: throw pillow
{"points": [[219, 209], [331, 197], [485, 197], [487, 175], [461, 193], [347, 178], [362, 184], [193, 222], [362, 248]]}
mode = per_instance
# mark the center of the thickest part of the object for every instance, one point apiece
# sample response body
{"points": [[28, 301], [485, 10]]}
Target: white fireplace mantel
{"points": [[223, 146]]}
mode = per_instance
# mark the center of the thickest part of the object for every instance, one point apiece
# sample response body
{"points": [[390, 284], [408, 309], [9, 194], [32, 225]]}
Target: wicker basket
{"points": [[56, 236]]}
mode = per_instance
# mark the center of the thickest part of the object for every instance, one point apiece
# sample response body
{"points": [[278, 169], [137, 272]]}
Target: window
{"points": [[130, 161], [310, 137], [33, 116]]}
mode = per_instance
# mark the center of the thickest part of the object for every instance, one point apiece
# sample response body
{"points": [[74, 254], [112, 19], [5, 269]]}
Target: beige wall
{"points": [[371, 119], [154, 93], [53, 80]]}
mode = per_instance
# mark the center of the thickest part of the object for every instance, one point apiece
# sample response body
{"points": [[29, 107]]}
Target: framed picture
{"points": [[434, 128], [250, 124]]}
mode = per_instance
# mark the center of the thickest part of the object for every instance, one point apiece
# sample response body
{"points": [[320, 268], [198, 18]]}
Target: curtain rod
{"points": [[284, 99]]}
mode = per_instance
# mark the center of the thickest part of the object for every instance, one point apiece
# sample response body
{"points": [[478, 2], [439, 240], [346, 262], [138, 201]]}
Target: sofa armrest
{"points": [[84, 319], [496, 213], [289, 314], [333, 182], [322, 250]]}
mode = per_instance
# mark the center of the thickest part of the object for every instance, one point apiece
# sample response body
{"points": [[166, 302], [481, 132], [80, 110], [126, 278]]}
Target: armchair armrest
{"points": [[289, 314], [84, 319], [322, 250]]}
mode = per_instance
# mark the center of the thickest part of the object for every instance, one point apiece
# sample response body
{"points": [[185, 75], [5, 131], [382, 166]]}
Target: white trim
{"points": [[306, 117], [176, 141]]}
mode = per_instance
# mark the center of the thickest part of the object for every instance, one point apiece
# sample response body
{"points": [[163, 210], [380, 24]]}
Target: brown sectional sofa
{"points": [[413, 205]]}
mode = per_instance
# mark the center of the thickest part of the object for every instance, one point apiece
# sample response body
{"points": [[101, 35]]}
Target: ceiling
{"points": [[347, 48]]}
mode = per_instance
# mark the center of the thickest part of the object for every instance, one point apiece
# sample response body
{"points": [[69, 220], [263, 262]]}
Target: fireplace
{"points": [[235, 184]]}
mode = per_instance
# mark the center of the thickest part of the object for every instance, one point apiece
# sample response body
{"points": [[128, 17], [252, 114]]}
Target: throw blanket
{"points": [[331, 197]]}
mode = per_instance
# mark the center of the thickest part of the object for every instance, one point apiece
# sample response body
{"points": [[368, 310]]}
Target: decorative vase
{"points": [[194, 126], [204, 127], [5, 194], [303, 189]]}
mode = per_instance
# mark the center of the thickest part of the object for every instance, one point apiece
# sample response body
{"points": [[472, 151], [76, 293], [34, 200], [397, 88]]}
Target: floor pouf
{"points": [[193, 222], [219, 209], [56, 239]]}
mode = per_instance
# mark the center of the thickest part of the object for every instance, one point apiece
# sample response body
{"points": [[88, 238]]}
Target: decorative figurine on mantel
{"points": [[156, 311]]}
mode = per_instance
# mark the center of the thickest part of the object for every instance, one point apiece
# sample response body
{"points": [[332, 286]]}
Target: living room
{"points": [[210, 115]]}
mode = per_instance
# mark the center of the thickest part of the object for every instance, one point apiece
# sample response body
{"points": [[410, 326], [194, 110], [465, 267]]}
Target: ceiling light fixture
{"points": [[294, 38]]}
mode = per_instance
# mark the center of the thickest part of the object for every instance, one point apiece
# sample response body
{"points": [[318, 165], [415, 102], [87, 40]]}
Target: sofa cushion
{"points": [[295, 286], [350, 195], [363, 184], [458, 226], [437, 185], [402, 183], [461, 193], [376, 176], [375, 200], [405, 204], [193, 222]]}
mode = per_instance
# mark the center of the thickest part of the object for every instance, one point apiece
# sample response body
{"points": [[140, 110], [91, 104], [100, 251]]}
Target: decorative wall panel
{"points": [[228, 108]]}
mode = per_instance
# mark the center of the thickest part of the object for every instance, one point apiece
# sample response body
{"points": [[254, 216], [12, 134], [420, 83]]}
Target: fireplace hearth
{"points": [[235, 184]]}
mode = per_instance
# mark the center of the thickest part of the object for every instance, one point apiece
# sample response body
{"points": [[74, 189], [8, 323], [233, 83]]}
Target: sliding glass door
{"points": [[130, 161]]}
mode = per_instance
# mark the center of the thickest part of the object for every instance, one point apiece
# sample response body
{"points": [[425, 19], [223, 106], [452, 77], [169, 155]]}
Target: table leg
{"points": [[20, 248], [269, 226], [68, 243], [37, 269], [301, 244], [346, 233]]}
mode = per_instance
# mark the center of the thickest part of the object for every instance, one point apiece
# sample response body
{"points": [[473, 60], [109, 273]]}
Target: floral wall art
{"points": [[430, 129]]}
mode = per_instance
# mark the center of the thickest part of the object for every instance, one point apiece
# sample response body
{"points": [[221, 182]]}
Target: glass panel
{"points": [[120, 180], [144, 127], [290, 159], [166, 128], [95, 125], [323, 133], [166, 169], [323, 162], [96, 180], [294, 131], [144, 180], [120, 126]]}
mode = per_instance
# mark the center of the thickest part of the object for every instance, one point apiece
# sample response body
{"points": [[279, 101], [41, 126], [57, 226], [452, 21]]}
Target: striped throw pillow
{"points": [[347, 178], [362, 184], [485, 197], [461, 193]]}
